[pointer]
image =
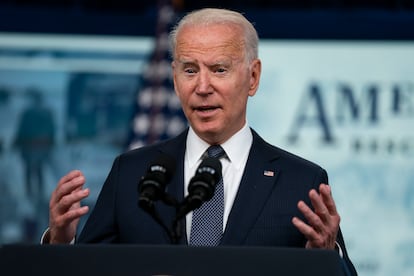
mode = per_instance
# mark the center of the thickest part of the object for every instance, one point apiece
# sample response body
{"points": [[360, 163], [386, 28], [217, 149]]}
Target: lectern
{"points": [[136, 260]]}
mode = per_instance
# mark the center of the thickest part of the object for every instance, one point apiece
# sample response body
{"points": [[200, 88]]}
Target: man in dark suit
{"points": [[271, 197]]}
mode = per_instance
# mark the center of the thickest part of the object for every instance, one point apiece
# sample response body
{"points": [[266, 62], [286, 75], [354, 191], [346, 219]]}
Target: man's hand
{"points": [[323, 222], [65, 209]]}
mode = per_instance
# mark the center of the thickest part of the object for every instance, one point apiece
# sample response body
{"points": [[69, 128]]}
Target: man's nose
{"points": [[204, 83]]}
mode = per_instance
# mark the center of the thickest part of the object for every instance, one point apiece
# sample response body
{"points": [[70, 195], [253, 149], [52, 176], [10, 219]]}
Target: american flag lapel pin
{"points": [[268, 173]]}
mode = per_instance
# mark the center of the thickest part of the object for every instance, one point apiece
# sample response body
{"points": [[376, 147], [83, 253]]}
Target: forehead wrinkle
{"points": [[232, 46], [218, 54]]}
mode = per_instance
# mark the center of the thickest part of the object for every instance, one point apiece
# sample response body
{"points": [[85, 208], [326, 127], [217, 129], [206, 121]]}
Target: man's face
{"points": [[213, 79]]}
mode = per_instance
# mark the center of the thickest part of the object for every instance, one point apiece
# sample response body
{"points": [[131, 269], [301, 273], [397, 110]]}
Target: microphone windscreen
{"points": [[163, 166], [211, 166]]}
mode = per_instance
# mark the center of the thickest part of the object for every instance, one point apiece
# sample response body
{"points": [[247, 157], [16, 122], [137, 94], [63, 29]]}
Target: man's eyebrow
{"points": [[186, 61], [220, 63], [213, 64]]}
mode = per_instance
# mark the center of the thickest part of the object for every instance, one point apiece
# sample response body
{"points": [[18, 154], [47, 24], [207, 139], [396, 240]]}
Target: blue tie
{"points": [[207, 222]]}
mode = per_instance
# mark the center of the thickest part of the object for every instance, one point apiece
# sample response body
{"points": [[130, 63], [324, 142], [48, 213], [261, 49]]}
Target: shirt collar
{"points": [[236, 147]]}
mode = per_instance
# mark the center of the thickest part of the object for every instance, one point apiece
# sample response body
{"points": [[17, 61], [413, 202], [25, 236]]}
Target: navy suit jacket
{"points": [[261, 214]]}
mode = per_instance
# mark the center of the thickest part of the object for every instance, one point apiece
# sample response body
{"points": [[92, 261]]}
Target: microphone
{"points": [[200, 189], [151, 187], [202, 185]]}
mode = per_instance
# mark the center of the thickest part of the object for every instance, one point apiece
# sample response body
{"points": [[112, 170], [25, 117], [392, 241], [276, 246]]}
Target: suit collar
{"points": [[236, 147]]}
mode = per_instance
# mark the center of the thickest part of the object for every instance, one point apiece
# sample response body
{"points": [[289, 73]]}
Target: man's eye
{"points": [[221, 70], [189, 70]]}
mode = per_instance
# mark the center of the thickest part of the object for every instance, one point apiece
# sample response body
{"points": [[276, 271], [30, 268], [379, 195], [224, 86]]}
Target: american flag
{"points": [[158, 114]]}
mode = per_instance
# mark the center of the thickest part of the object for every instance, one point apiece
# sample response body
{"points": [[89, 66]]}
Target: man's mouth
{"points": [[205, 108]]}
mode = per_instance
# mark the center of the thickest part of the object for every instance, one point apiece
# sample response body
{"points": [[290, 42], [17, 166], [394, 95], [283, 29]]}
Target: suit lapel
{"points": [[175, 148], [258, 181]]}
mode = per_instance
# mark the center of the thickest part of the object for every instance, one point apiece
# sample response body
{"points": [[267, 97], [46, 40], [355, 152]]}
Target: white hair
{"points": [[212, 16]]}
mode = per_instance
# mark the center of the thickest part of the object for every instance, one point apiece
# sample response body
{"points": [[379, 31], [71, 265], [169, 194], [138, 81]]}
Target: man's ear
{"points": [[255, 71]]}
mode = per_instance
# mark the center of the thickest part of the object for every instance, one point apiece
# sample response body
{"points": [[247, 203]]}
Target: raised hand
{"points": [[65, 209], [322, 224]]}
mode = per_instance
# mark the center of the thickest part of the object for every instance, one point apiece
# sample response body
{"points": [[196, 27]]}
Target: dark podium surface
{"points": [[125, 260]]}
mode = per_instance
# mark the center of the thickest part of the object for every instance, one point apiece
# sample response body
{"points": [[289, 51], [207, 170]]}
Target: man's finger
{"points": [[326, 194], [68, 187]]}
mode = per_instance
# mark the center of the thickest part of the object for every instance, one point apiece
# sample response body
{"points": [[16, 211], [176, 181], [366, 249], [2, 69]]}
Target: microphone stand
{"points": [[180, 212], [149, 206], [202, 190], [175, 232]]}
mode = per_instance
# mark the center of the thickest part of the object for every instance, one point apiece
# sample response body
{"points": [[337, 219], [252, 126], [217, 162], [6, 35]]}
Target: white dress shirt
{"points": [[237, 149]]}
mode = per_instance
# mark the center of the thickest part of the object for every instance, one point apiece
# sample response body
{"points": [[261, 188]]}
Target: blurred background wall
{"points": [[84, 80]]}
